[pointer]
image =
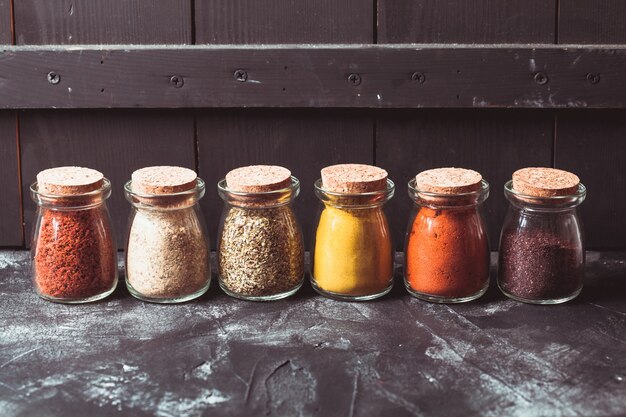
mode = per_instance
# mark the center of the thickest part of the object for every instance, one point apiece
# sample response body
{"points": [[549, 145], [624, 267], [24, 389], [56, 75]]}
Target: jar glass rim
{"points": [[223, 187], [557, 201], [262, 199], [72, 201], [457, 200], [355, 200]]}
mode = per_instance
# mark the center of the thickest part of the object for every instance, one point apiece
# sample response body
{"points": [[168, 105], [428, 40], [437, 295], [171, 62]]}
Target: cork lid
{"points": [[545, 182], [354, 178], [163, 180], [69, 180], [258, 178], [448, 181]]}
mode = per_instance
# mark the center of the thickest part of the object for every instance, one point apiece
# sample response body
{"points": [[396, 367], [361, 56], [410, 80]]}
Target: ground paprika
{"points": [[74, 256], [447, 251]]}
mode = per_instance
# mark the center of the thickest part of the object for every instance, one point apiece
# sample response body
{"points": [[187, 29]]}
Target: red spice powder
{"points": [[447, 253], [74, 254]]}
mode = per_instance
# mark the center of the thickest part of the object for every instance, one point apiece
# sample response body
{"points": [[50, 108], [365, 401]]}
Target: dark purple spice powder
{"points": [[536, 264]]}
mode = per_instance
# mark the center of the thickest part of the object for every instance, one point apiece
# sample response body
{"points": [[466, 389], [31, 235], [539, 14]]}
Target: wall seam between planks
{"points": [[554, 139], [18, 149], [196, 145], [375, 23], [556, 21], [12, 11], [193, 21]]}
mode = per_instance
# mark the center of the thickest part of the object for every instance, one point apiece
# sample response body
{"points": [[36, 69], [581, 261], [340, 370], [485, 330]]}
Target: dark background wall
{"points": [[213, 141]]}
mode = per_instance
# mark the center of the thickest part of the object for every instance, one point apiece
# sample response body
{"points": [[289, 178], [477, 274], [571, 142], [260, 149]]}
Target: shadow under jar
{"points": [[260, 246], [542, 255], [447, 249], [353, 252], [167, 250], [73, 251]]}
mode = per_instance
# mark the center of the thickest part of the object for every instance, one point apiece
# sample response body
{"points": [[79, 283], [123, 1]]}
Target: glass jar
{"points": [[542, 256], [73, 252], [353, 252], [447, 248], [260, 246], [167, 249]]}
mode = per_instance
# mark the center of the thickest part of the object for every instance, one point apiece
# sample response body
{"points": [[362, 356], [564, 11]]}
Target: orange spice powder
{"points": [[447, 253]]}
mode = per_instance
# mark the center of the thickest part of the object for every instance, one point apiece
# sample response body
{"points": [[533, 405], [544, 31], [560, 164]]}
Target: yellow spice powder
{"points": [[353, 253]]}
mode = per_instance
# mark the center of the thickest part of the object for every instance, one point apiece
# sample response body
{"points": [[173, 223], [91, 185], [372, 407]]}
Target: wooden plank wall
{"points": [[215, 140]]}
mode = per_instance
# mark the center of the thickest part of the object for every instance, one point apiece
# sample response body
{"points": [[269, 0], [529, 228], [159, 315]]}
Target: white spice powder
{"points": [[167, 255]]}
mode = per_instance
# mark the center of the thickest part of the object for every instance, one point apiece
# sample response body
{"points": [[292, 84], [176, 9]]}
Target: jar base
{"points": [[550, 301], [347, 297], [445, 300], [272, 297], [167, 300], [91, 299]]}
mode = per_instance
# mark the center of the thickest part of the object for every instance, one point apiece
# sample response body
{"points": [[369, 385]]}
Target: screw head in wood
{"points": [[54, 78], [240, 75], [593, 78], [355, 79], [418, 77], [541, 78], [177, 81]]}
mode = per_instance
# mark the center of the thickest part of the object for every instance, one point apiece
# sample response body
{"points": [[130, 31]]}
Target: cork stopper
{"points": [[354, 178], [69, 180], [258, 179], [545, 182], [448, 181], [163, 180]]}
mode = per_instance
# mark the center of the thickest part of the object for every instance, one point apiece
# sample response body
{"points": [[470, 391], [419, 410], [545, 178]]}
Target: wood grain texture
{"points": [[113, 142], [494, 143], [466, 21], [284, 21], [310, 356], [41, 22], [10, 199], [302, 141], [592, 22], [5, 22], [591, 144], [313, 77]]}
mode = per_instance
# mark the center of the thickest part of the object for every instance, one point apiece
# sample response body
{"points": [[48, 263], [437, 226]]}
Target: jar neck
{"points": [[260, 200], [545, 204], [355, 201], [440, 201], [165, 202], [72, 202]]}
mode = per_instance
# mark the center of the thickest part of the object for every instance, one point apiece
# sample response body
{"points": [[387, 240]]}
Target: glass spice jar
{"points": [[447, 249], [167, 249], [260, 246], [353, 252], [73, 249], [542, 255]]}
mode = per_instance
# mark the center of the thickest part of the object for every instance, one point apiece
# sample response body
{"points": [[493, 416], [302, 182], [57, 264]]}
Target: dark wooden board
{"points": [[592, 21], [480, 77], [466, 21], [284, 21], [591, 144], [495, 143], [310, 356], [10, 199], [41, 22], [113, 142], [5, 23], [302, 141]]}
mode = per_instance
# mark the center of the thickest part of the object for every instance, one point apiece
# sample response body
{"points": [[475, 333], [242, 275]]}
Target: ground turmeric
{"points": [[353, 254]]}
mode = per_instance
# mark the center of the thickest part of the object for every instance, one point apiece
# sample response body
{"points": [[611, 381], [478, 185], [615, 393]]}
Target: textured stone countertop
{"points": [[308, 355]]}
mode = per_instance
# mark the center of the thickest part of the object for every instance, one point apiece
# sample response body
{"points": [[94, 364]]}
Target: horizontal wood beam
{"points": [[366, 76]]}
